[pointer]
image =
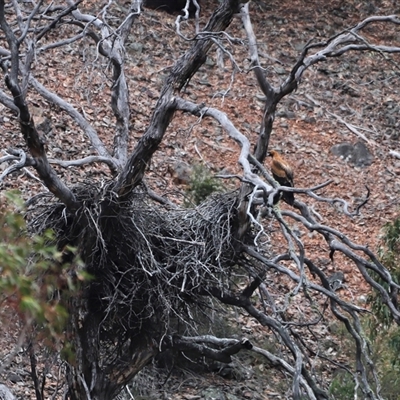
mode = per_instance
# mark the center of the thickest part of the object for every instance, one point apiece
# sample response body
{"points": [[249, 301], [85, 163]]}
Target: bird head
{"points": [[272, 153]]}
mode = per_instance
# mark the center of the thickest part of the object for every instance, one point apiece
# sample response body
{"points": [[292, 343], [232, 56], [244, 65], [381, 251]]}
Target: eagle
{"points": [[283, 174]]}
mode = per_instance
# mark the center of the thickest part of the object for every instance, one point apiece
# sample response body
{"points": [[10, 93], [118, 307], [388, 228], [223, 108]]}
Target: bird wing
{"points": [[282, 170]]}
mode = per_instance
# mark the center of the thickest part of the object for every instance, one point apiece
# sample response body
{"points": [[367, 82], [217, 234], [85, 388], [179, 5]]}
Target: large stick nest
{"points": [[150, 263]]}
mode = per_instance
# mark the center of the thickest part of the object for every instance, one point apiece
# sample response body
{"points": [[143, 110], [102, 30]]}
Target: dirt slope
{"points": [[358, 89]]}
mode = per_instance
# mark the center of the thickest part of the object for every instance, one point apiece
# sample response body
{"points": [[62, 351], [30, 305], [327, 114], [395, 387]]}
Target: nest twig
{"points": [[149, 263]]}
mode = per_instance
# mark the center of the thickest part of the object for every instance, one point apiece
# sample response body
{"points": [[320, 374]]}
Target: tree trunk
{"points": [[98, 368]]}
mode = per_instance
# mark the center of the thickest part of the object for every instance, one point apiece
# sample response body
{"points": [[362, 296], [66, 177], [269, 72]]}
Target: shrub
{"points": [[384, 334], [201, 185], [34, 281]]}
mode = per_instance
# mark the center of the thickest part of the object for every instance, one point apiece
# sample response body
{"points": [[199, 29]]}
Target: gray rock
{"points": [[286, 114], [336, 280], [231, 397], [343, 150], [213, 393], [356, 154], [362, 157], [136, 47], [14, 378]]}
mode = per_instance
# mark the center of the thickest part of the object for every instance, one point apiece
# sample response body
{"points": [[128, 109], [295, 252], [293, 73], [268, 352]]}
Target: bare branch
{"points": [[338, 45], [61, 43], [298, 370], [8, 102], [340, 242], [353, 129], [334, 47], [87, 160], [20, 342], [17, 166], [156, 266], [333, 201], [325, 289], [394, 153], [112, 46], [65, 12], [28, 22], [5, 393], [265, 86], [46, 173], [181, 73], [280, 363], [241, 139], [80, 120], [201, 345]]}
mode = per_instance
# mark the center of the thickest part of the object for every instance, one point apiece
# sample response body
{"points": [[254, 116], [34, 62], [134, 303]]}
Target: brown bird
{"points": [[283, 174]]}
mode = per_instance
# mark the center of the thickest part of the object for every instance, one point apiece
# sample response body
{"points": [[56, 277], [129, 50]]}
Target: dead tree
{"points": [[5, 393], [152, 262]]}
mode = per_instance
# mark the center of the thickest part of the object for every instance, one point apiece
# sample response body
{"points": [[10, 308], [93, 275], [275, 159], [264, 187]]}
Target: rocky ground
{"points": [[351, 99]]}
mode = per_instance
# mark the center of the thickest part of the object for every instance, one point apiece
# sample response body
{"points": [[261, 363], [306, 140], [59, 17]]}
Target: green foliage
{"points": [[342, 386], [389, 253], [390, 382], [386, 358], [392, 239], [202, 184], [384, 334], [33, 279]]}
